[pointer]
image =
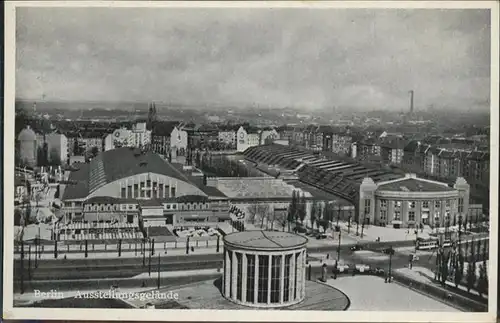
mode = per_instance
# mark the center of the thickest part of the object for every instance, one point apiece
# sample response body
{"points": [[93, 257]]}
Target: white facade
{"points": [[57, 145], [138, 137], [246, 140], [178, 140], [268, 134]]}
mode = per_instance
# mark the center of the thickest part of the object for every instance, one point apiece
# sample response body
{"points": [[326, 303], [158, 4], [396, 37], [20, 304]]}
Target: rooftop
{"points": [[415, 185], [116, 164], [263, 240]]}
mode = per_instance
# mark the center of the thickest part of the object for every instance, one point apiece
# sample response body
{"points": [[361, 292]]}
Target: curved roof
{"points": [[27, 134], [113, 165], [265, 240], [116, 164], [415, 185]]}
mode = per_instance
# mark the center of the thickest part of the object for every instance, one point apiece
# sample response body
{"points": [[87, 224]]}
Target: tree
{"points": [[94, 151], [314, 210], [263, 211], [459, 267], [303, 209], [482, 284], [445, 257], [471, 269], [55, 159], [18, 217], [252, 212]]}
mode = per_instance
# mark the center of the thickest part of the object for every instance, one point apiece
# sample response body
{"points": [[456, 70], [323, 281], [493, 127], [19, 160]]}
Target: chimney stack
{"points": [[411, 101]]}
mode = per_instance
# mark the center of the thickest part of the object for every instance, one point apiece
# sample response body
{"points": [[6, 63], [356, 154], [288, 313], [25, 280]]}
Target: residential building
{"points": [[366, 149], [268, 136], [57, 147], [160, 137], [247, 137], [392, 151], [227, 136], [179, 141], [341, 143]]}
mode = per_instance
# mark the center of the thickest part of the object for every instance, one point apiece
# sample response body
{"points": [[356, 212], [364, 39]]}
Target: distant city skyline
{"points": [[313, 58]]}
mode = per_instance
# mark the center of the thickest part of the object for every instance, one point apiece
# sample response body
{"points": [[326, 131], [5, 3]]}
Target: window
{"points": [[286, 280], [194, 207], [174, 206], [136, 190], [173, 192], [437, 204], [383, 203], [168, 206], [460, 205], [397, 203], [448, 203], [250, 278], [411, 204], [129, 192], [425, 204], [263, 278], [123, 192], [411, 216], [275, 279], [383, 215], [397, 215], [167, 190]]}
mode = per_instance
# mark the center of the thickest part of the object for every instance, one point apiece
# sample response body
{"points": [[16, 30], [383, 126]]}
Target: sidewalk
{"points": [[425, 275]]}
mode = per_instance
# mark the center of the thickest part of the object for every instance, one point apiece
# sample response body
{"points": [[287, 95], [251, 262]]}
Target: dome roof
{"points": [[27, 134]]}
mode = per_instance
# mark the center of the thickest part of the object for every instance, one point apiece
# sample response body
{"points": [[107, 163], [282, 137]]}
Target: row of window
{"points": [[146, 189], [411, 215], [413, 204], [123, 207]]}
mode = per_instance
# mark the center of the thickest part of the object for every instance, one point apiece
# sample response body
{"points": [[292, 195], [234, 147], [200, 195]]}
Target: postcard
{"points": [[251, 161]]}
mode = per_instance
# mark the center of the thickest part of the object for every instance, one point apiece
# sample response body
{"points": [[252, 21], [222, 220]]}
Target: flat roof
{"points": [[265, 240]]}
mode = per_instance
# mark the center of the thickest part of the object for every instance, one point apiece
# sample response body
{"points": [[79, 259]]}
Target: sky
{"points": [[309, 58]]}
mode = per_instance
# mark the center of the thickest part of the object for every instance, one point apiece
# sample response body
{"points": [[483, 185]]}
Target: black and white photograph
{"points": [[241, 161]]}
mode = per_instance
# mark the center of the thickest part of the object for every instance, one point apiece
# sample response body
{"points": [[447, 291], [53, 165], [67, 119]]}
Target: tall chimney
{"points": [[411, 101]]}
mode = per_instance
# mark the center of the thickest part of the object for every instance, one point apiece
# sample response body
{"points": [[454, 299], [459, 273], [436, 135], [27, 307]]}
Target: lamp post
{"points": [[22, 266], [338, 249], [158, 282], [390, 252]]}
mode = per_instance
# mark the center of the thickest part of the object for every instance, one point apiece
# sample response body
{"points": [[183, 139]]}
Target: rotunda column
{"points": [[244, 277], [227, 273], [234, 276]]}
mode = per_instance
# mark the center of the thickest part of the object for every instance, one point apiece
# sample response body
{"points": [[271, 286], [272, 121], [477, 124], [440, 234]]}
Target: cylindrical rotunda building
{"points": [[264, 268]]}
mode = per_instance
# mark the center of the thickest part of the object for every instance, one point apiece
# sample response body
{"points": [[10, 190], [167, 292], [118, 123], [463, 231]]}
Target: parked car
{"points": [[361, 268], [356, 247], [378, 271], [341, 267]]}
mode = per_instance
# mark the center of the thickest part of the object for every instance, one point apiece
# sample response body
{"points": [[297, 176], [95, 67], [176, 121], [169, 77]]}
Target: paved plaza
{"points": [[370, 293]]}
